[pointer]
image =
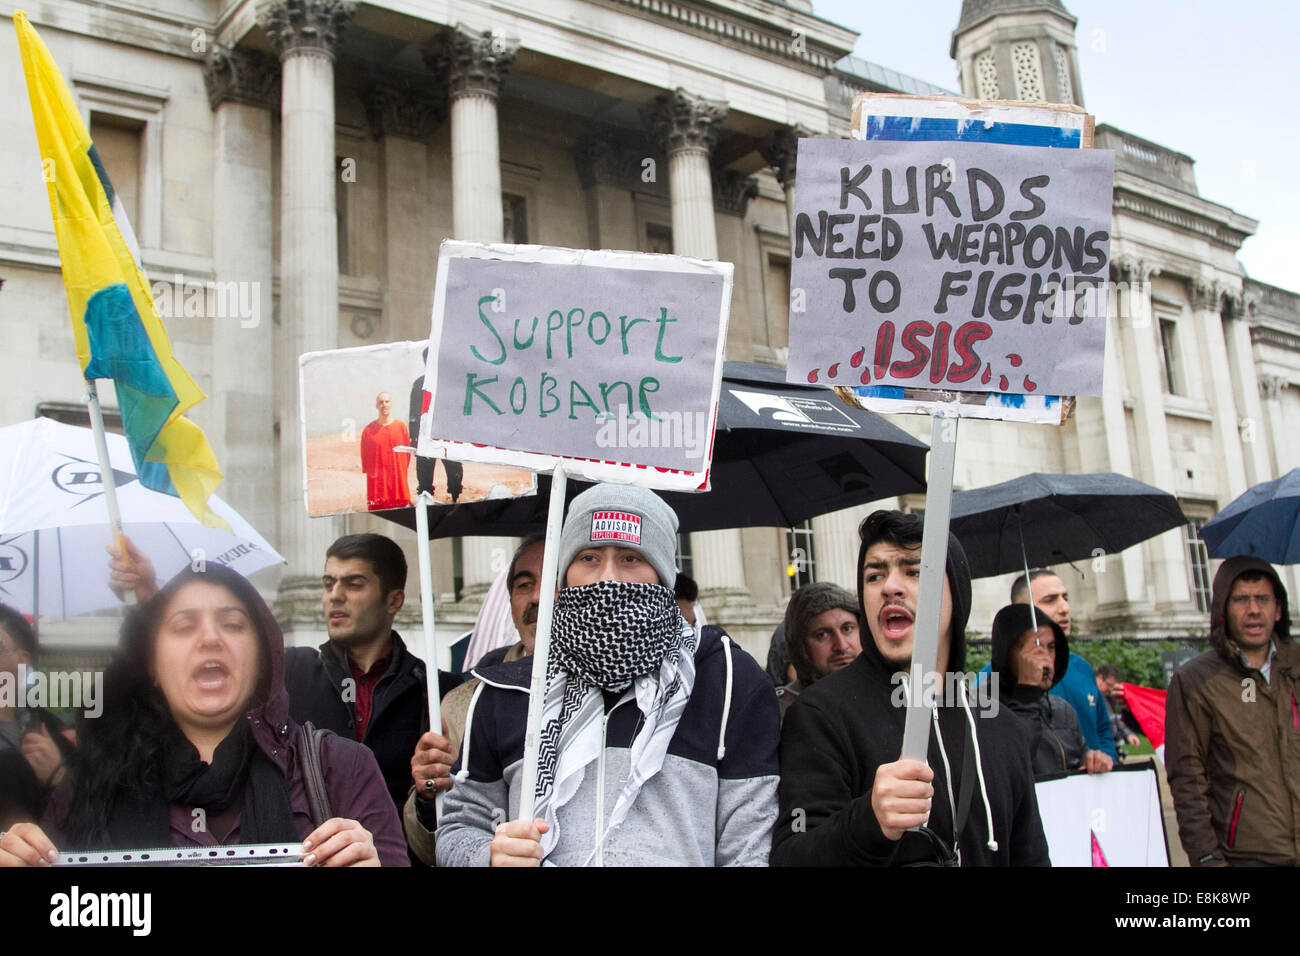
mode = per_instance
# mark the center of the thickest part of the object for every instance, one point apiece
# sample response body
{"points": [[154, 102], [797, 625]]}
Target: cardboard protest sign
{"points": [[358, 408], [543, 355], [1104, 819], [950, 265]]}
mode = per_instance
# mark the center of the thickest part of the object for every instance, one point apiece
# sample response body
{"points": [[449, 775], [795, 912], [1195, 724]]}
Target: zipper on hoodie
{"points": [[600, 783], [1236, 815]]}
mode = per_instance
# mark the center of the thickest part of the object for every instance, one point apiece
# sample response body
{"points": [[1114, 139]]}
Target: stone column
{"points": [[1103, 446], [243, 88], [305, 34], [1281, 439], [1246, 389], [1281, 436], [835, 545], [687, 127], [782, 154], [474, 65], [1205, 297], [610, 170], [1141, 339], [404, 117]]}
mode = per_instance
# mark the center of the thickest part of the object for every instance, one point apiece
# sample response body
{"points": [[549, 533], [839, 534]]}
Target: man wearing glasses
{"points": [[1232, 728]]}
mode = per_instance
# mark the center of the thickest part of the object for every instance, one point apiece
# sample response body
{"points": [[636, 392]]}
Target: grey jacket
{"points": [[712, 803]]}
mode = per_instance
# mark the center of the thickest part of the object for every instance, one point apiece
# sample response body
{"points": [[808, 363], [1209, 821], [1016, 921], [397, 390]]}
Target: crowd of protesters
{"points": [[662, 742]]}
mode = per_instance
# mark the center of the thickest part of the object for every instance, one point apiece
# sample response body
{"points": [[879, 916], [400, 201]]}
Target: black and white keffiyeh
{"points": [[606, 637]]}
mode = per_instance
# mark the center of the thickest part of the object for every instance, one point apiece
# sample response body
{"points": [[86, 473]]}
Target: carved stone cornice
{"points": [[305, 26], [680, 120], [402, 108], [781, 152], [242, 76], [732, 191], [472, 63]]}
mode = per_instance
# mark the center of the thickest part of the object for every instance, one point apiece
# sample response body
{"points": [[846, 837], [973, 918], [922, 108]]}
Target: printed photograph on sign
{"points": [[361, 413], [607, 361]]}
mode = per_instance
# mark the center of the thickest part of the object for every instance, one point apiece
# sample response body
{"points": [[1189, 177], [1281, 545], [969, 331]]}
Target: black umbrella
{"points": [[782, 454], [1263, 522], [1040, 519]]}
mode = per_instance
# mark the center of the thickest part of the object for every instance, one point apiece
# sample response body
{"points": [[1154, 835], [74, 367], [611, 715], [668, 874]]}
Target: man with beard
{"points": [[824, 618], [431, 765], [1232, 728], [658, 745], [363, 683], [846, 797]]}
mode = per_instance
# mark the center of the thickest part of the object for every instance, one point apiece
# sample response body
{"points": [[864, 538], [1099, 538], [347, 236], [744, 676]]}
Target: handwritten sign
{"points": [[540, 355], [951, 266]]}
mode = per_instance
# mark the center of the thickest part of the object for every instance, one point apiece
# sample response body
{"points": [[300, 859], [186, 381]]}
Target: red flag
{"points": [[1148, 707], [1098, 857]]}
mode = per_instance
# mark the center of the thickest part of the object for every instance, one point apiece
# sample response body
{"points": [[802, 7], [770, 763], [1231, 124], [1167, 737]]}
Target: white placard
{"points": [[541, 356]]}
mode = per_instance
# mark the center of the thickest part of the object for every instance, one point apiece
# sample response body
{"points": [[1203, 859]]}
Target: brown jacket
{"points": [[1232, 744]]}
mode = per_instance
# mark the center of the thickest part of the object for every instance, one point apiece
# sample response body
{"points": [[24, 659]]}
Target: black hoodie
{"points": [[846, 725], [1050, 724]]}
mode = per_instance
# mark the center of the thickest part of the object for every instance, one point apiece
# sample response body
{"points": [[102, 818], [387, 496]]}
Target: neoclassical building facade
{"points": [[301, 160]]}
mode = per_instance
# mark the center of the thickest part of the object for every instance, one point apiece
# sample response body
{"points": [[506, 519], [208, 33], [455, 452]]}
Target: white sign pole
{"points": [[542, 644], [929, 598], [426, 612]]}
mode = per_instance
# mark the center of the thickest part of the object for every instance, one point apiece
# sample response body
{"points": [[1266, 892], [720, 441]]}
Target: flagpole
{"points": [[106, 474]]}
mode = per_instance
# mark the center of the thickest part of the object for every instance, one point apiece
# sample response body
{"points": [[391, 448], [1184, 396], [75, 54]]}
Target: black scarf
{"points": [[239, 771]]}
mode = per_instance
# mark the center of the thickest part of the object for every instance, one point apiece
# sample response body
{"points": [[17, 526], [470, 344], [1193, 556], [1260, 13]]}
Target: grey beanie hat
{"points": [[625, 516]]}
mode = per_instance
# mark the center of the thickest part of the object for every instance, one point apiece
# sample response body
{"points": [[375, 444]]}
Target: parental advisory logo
{"points": [[616, 526]]}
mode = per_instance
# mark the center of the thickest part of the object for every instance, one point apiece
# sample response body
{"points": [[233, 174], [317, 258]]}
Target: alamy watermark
{"points": [[54, 690], [191, 299], [688, 430], [932, 689]]}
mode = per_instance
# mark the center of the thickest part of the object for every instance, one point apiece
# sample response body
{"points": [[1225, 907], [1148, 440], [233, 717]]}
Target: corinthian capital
{"points": [[241, 76], [400, 108], [310, 26], [1205, 295], [681, 120], [472, 62], [1271, 386], [782, 151]]}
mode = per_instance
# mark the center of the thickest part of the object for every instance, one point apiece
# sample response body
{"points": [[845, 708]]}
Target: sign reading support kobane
{"points": [[962, 266], [596, 360]]}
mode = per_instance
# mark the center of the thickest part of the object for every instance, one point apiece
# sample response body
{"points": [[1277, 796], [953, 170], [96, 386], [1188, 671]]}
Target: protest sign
{"points": [[540, 356], [950, 265], [1104, 819], [352, 460]]}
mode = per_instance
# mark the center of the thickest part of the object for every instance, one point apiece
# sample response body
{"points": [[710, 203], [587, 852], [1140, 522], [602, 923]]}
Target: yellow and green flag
{"points": [[117, 329]]}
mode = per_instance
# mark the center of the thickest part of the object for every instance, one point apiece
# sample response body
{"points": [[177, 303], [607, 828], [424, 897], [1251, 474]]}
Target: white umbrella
{"points": [[54, 524]]}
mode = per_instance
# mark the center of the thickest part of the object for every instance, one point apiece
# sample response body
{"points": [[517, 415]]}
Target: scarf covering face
{"points": [[610, 636]]}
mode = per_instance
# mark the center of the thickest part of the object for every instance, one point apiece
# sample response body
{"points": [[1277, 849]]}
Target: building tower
{"points": [[1017, 50]]}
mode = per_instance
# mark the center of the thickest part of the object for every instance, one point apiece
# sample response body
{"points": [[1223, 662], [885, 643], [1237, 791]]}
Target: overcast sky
{"points": [[1216, 80]]}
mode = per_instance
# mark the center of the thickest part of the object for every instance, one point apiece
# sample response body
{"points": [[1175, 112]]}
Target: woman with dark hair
{"points": [[195, 746]]}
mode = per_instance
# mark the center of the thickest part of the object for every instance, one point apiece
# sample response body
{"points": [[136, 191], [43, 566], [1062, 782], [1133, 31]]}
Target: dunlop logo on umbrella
{"points": [[13, 562], [77, 476]]}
